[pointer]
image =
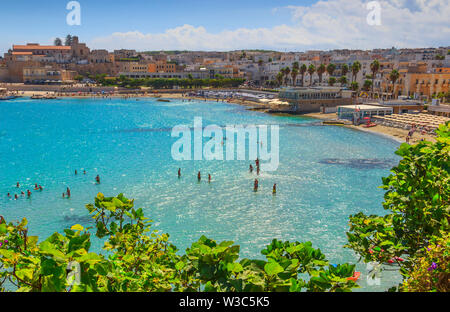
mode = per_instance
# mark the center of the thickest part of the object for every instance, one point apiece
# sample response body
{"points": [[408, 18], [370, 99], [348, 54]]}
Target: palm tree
{"points": [[283, 73], [355, 86], [279, 77], [311, 71], [344, 70], [303, 70], [296, 67], [343, 80], [356, 67], [68, 41], [320, 71], [374, 67], [367, 85], [330, 69], [393, 77], [287, 71], [331, 81], [294, 74]]}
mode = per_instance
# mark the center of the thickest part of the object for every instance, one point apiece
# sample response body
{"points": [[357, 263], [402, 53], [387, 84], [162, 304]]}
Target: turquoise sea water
{"points": [[325, 173]]}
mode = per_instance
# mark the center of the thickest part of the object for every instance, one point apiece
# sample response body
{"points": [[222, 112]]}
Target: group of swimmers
{"points": [[68, 194], [199, 176], [28, 194], [256, 183], [38, 187]]}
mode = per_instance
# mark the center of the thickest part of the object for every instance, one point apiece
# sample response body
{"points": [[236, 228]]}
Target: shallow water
{"points": [[325, 173]]}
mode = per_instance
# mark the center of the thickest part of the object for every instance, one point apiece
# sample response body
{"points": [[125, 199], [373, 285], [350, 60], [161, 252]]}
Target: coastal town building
{"points": [[308, 100], [47, 75], [124, 54], [439, 110], [426, 85], [161, 66], [358, 113]]}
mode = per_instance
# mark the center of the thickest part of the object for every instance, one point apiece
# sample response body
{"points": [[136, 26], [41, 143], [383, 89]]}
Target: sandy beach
{"points": [[394, 133]]}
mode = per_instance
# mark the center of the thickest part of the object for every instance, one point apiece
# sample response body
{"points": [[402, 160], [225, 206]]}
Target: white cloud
{"points": [[325, 25]]}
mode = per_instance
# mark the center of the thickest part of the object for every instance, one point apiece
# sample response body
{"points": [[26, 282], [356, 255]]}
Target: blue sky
{"points": [[232, 24]]}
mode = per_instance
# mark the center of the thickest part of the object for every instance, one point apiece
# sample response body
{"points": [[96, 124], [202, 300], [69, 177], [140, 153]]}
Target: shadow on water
{"points": [[361, 163], [73, 219]]}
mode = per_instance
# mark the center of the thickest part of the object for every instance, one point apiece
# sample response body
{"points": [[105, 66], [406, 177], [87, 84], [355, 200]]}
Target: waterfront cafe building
{"points": [[358, 114], [315, 99]]}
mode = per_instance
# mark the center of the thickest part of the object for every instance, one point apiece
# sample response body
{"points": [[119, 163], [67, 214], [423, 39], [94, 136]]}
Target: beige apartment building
{"points": [[47, 75], [133, 67], [427, 84], [161, 66]]}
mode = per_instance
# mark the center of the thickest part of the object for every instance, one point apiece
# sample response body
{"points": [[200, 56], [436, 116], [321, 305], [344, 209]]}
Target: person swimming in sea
{"points": [[41, 188], [274, 189], [84, 172], [251, 169], [63, 195], [256, 185], [179, 173], [68, 192], [76, 172], [97, 179], [199, 176], [18, 185], [16, 197], [29, 193], [9, 195], [209, 178]]}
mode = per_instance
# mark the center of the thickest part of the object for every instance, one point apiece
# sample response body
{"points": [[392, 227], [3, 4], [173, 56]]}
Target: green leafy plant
{"points": [[418, 198], [140, 259]]}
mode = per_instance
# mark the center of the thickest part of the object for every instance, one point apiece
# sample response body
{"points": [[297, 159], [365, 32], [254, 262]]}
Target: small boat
{"points": [[163, 100], [7, 97], [370, 125], [37, 97], [333, 123]]}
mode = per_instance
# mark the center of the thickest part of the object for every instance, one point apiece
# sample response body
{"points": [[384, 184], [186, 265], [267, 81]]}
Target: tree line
{"points": [[288, 74], [167, 83], [68, 41]]}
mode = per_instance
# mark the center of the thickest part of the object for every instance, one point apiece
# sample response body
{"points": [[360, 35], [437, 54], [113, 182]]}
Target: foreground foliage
{"points": [[418, 198], [141, 260]]}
